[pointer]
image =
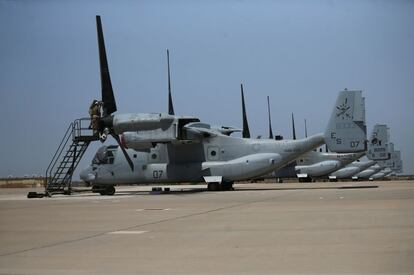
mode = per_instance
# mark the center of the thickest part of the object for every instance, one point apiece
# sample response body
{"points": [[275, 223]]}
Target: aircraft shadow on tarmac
{"points": [[189, 191], [309, 188]]}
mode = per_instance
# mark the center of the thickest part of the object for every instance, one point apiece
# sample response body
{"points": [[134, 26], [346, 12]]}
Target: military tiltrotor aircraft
{"points": [[163, 148], [378, 150], [389, 160], [381, 174], [313, 164], [352, 169], [393, 164], [367, 173]]}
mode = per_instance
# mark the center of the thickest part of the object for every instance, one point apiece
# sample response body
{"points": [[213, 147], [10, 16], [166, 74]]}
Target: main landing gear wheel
{"points": [[213, 186], [307, 179], [104, 190], [109, 191], [216, 186], [226, 186]]}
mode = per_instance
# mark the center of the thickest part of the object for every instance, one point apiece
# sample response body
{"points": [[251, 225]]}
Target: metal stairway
{"points": [[74, 143]]}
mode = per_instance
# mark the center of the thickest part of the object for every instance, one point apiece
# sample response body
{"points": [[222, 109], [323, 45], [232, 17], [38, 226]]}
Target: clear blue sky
{"points": [[300, 53]]}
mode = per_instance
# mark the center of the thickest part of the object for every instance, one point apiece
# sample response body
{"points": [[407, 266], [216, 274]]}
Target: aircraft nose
{"points": [[87, 175]]}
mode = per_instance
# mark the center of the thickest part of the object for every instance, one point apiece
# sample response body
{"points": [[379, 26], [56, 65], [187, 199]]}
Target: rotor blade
{"points": [[108, 99], [270, 121], [306, 130], [246, 131], [170, 102], [293, 127], [131, 164]]}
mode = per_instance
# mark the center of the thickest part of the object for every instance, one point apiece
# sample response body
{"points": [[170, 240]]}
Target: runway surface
{"points": [[335, 228]]}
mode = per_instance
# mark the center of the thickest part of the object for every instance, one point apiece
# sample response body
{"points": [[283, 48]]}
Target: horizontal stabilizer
{"points": [[346, 131]]}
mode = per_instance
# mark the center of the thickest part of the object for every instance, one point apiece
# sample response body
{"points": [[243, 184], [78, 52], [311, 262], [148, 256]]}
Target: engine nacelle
{"points": [[141, 122], [142, 131], [147, 139]]}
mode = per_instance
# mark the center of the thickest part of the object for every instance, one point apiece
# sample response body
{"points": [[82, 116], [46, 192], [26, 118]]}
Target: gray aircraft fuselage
{"points": [[231, 158]]}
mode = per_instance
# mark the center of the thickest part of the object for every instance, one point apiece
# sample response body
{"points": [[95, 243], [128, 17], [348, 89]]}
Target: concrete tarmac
{"points": [[333, 228]]}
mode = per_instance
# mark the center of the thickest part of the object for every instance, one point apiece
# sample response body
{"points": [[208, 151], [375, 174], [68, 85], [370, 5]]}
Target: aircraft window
{"points": [[154, 156], [135, 156], [213, 153], [111, 157], [301, 160], [105, 155]]}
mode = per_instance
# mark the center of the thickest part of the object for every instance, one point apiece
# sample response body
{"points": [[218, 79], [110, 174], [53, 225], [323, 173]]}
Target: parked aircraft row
{"points": [[166, 148]]}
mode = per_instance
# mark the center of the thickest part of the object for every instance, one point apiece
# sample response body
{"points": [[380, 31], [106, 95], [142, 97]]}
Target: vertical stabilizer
{"points": [[379, 143], [388, 162], [346, 131], [398, 165]]}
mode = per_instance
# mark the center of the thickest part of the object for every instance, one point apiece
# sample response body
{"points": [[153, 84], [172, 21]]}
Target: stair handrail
{"points": [[77, 127], [58, 153]]}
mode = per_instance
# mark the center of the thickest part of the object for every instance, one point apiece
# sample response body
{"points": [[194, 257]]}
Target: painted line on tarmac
{"points": [[127, 232]]}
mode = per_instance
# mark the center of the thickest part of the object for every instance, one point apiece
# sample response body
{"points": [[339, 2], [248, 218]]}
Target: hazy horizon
{"points": [[300, 53]]}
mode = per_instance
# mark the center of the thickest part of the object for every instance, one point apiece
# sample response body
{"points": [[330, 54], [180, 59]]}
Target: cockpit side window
{"points": [[111, 157], [105, 155]]}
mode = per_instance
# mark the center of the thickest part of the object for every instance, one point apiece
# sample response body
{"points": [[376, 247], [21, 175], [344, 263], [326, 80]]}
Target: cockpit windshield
{"points": [[105, 155]]}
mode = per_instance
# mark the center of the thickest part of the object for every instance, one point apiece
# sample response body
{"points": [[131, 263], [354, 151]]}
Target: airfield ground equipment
{"points": [[58, 178]]}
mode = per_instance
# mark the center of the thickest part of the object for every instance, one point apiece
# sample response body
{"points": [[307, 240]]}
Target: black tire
{"points": [[110, 191], [213, 186], [97, 189], [226, 186]]}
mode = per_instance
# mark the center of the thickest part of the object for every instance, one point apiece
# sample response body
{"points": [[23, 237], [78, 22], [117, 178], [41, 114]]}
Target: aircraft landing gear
{"points": [[216, 186], [104, 190], [226, 186], [307, 179], [213, 186]]}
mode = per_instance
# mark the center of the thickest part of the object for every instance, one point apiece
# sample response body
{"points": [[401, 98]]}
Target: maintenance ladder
{"points": [[74, 143]]}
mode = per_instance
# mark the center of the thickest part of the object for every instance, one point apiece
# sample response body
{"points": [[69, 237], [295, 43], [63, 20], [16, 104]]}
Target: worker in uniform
{"points": [[95, 114]]}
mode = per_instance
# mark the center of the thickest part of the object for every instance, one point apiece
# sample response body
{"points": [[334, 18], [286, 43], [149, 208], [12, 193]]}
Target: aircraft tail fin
{"points": [[346, 131], [379, 143]]}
